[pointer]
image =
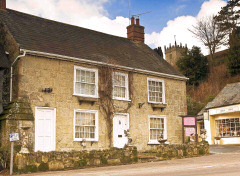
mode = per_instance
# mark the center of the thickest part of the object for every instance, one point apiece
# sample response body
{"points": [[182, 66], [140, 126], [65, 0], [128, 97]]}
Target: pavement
{"points": [[223, 160], [214, 149]]}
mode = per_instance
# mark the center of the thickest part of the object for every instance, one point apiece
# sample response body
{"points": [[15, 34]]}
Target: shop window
{"points": [[228, 127]]}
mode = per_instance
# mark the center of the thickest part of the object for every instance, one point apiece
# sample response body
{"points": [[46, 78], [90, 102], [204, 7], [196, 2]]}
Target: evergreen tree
{"points": [[193, 65], [228, 18], [233, 56]]}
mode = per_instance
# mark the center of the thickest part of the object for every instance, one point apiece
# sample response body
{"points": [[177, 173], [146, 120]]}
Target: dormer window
{"points": [[85, 82], [120, 86]]}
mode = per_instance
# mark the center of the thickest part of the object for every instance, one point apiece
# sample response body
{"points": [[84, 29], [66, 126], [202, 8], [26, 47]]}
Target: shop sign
{"points": [[189, 121], [224, 110], [189, 131]]}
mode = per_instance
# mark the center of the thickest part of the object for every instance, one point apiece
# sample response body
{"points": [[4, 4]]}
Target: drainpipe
{"points": [[11, 76]]}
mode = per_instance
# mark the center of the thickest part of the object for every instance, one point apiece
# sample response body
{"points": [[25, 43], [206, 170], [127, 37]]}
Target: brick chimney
{"points": [[2, 4], [135, 32]]}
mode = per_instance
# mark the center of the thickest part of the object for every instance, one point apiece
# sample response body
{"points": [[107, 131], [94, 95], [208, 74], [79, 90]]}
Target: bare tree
{"points": [[208, 32]]}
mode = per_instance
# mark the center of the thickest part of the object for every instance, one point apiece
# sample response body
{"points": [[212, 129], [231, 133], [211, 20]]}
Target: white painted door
{"points": [[45, 129], [120, 123]]}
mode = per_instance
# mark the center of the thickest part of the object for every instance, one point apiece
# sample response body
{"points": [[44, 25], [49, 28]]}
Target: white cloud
{"points": [[180, 25], [177, 27], [211, 7], [85, 13]]}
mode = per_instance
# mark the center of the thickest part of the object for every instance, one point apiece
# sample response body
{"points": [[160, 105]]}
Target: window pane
{"points": [[83, 88], [87, 76], [85, 82], [119, 84], [156, 127], [77, 88], [92, 76], [122, 92], [83, 76], [78, 77], [92, 89], [85, 125], [155, 91]]}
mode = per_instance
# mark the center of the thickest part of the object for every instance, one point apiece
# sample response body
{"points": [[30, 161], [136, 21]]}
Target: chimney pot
{"points": [[132, 20], [137, 22], [2, 4]]}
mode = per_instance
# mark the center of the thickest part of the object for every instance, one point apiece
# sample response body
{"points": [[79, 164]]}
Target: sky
{"points": [[168, 18]]}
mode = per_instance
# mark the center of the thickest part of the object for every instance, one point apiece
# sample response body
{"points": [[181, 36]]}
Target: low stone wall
{"points": [[164, 152], [44, 161]]}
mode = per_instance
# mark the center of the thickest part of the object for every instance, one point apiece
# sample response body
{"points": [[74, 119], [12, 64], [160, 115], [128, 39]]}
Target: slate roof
{"points": [[38, 34], [4, 62], [229, 95]]}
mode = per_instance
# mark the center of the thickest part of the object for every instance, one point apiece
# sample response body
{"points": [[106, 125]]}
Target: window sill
{"points": [[161, 106], [91, 100], [87, 96], [118, 99], [87, 140], [156, 143], [153, 143]]}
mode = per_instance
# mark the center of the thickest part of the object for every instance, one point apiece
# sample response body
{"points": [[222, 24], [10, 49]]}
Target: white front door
{"points": [[120, 123], [45, 129]]}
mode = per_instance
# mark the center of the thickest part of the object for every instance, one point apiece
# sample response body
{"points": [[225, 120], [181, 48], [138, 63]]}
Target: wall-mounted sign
{"points": [[189, 131], [189, 121], [13, 137]]}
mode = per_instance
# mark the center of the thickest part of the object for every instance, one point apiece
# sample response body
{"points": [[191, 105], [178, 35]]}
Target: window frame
{"points": [[217, 129], [164, 131], [126, 86], [96, 124], [96, 81], [163, 90]]}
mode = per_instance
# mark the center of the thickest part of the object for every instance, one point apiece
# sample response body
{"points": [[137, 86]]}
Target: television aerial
{"points": [[138, 15]]}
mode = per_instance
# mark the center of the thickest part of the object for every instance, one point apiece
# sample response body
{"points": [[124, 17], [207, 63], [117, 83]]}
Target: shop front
{"points": [[223, 125]]}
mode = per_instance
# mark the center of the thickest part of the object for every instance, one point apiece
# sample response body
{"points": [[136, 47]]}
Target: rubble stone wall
{"points": [[45, 161], [164, 152]]}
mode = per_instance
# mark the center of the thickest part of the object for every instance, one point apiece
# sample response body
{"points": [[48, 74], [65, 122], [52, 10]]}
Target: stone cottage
{"points": [[221, 117], [73, 88]]}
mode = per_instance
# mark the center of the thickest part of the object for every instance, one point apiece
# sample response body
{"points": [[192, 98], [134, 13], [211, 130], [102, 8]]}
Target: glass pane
{"points": [[77, 135], [123, 81], [77, 88], [92, 89], [83, 76], [87, 76], [87, 89], [78, 78], [123, 92], [92, 77], [83, 88]]}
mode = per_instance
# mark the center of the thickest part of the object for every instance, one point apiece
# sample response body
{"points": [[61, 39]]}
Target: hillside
{"points": [[218, 77]]}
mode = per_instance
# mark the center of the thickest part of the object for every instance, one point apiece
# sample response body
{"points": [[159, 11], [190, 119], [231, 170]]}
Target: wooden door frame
{"points": [[54, 121]]}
